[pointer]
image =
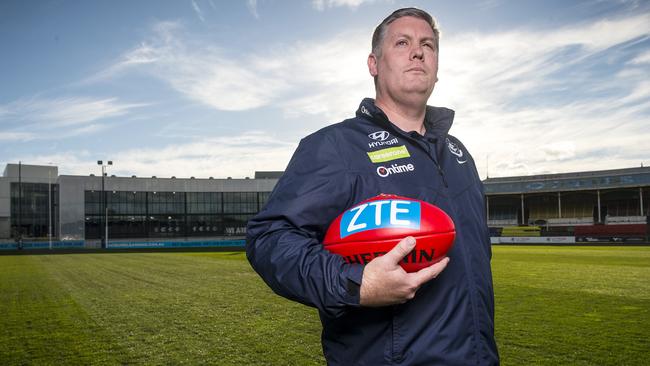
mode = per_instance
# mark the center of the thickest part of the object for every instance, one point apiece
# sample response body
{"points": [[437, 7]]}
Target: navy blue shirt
{"points": [[451, 319]]}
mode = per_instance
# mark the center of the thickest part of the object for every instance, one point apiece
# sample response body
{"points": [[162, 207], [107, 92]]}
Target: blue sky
{"points": [[224, 88]]}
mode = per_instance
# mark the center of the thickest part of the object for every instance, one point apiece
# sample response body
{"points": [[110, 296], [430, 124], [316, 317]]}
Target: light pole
{"points": [[20, 206], [104, 215], [49, 206]]}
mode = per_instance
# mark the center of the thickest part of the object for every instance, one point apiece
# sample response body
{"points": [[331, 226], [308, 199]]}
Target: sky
{"points": [[226, 88]]}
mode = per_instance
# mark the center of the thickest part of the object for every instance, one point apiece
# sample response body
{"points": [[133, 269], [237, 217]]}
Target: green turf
{"points": [[572, 306], [554, 306]]}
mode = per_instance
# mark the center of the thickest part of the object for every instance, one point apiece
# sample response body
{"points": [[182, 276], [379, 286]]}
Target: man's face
{"points": [[408, 65]]}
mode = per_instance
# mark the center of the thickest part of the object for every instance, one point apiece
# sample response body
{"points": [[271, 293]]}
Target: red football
{"points": [[374, 226]]}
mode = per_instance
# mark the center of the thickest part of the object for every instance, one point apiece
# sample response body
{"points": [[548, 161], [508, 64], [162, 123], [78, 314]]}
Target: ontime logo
{"points": [[383, 171]]}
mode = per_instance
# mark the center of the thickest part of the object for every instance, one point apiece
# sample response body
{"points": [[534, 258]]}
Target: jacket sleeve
{"points": [[283, 241]]}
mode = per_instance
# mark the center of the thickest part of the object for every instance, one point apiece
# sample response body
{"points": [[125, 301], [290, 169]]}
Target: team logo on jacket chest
{"points": [[381, 138], [454, 149]]}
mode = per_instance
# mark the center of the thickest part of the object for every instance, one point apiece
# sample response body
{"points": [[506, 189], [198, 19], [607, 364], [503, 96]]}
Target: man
{"points": [[378, 314]]}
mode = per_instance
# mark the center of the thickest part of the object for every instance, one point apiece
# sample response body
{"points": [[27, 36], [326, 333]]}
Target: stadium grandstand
{"points": [[596, 206], [41, 209]]}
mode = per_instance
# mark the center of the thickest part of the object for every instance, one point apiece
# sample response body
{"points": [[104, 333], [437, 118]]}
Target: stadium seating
{"points": [[571, 221]]}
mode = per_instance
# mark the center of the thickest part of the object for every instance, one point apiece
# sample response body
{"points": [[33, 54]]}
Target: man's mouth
{"points": [[416, 70]]}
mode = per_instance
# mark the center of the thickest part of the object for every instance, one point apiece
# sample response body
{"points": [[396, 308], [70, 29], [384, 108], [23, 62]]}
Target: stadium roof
{"points": [[601, 179]]}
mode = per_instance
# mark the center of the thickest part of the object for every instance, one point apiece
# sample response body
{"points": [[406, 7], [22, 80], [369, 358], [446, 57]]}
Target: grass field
{"points": [[554, 306]]}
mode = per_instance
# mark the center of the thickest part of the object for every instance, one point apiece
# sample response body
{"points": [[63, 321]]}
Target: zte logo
{"points": [[383, 171], [379, 135], [379, 215]]}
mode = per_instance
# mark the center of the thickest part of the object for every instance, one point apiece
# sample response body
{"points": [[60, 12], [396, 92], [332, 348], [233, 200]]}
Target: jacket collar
{"points": [[438, 120]]}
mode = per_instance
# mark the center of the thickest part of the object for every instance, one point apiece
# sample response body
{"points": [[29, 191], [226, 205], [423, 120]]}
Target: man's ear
{"points": [[372, 64]]}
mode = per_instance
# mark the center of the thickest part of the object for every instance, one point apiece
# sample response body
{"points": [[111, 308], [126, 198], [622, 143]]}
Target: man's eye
{"points": [[402, 42]]}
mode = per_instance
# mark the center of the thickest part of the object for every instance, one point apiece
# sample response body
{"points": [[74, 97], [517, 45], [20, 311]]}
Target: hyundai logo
{"points": [[379, 135]]}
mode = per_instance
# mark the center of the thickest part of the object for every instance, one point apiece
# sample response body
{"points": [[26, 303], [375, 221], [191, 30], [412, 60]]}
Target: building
{"points": [[38, 206], [607, 205], [36, 187], [125, 209]]}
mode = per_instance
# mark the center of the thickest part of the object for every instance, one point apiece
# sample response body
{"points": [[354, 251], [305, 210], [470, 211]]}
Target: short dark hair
{"points": [[380, 31]]}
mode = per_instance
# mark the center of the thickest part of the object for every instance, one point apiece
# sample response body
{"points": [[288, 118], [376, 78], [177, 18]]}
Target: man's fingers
{"points": [[428, 273], [404, 247]]}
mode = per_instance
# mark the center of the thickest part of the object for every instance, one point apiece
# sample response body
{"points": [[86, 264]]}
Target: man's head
{"points": [[380, 32], [404, 59]]}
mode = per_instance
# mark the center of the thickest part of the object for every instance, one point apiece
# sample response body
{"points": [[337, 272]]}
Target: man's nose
{"points": [[417, 52]]}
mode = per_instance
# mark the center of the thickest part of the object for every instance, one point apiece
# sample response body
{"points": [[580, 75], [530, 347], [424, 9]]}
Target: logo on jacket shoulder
{"points": [[454, 149], [381, 138], [365, 111]]}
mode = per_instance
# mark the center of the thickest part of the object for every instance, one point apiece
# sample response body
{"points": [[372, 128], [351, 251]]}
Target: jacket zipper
{"points": [[431, 155], [442, 175]]}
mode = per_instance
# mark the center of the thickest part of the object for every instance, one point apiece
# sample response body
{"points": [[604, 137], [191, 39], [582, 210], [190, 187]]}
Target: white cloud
{"points": [[59, 112], [16, 136], [39, 118], [252, 7], [505, 86], [276, 77], [558, 151], [489, 4], [640, 92], [145, 54], [202, 74], [320, 5], [539, 101], [598, 35], [331, 76], [235, 156], [198, 11], [224, 85], [69, 162], [74, 111], [641, 59]]}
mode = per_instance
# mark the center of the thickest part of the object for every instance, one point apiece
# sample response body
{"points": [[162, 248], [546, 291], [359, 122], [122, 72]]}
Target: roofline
{"points": [[572, 175]]}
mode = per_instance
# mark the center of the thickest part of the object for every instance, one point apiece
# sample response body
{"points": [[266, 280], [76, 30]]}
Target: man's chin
{"points": [[419, 84], [424, 91]]}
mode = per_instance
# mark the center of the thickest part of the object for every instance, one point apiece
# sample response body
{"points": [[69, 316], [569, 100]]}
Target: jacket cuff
{"points": [[353, 274]]}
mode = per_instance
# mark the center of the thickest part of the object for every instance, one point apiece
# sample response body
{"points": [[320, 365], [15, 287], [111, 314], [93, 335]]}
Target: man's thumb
{"points": [[404, 247]]}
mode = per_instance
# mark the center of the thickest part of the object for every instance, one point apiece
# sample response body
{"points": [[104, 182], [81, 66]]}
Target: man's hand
{"points": [[384, 282]]}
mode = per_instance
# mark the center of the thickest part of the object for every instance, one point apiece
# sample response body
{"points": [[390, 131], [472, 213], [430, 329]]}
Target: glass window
{"points": [[172, 214], [31, 211], [240, 202], [235, 225]]}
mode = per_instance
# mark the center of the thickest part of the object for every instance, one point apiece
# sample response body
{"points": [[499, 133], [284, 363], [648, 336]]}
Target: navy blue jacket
{"points": [[451, 319]]}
